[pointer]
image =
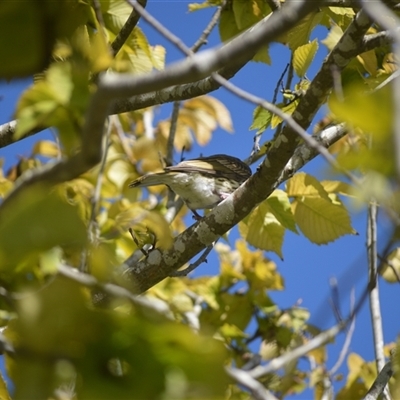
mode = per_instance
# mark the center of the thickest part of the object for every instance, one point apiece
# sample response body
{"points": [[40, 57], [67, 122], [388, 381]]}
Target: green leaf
{"points": [[261, 119], [249, 12], [112, 355], [303, 57], [287, 109], [37, 222], [300, 34], [279, 205], [263, 230], [359, 109], [227, 25], [262, 55], [26, 46]]}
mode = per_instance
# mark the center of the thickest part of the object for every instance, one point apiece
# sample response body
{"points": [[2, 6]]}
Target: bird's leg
{"points": [[196, 215]]}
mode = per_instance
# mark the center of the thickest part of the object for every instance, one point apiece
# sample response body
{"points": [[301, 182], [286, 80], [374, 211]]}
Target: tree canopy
{"points": [[96, 297]]}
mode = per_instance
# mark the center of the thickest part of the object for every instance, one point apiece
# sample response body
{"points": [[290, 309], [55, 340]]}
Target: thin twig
{"points": [[247, 96], [211, 25], [298, 352], [349, 336], [311, 142], [335, 303], [115, 291], [169, 158], [95, 201], [278, 85], [126, 30], [256, 388], [202, 259], [114, 120], [176, 107], [314, 343], [175, 112], [374, 303], [158, 26]]}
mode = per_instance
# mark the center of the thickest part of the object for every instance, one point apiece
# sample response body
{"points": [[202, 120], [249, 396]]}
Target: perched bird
{"points": [[201, 182]]}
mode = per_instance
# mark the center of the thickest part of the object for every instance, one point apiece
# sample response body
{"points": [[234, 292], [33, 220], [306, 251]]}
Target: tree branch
{"points": [[380, 382], [374, 303], [192, 75], [126, 30], [160, 264], [256, 388]]}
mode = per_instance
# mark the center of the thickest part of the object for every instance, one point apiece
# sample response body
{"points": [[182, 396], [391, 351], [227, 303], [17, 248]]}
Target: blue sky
{"points": [[307, 268]]}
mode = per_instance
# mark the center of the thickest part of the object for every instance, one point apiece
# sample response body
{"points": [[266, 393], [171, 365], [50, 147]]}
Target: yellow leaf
{"points": [[338, 187], [303, 184], [342, 10], [158, 56], [214, 107], [320, 220], [99, 54], [369, 61], [118, 171], [232, 332], [199, 6], [45, 148], [391, 270], [269, 350], [115, 14], [138, 217], [183, 137], [287, 109], [260, 271], [145, 151], [333, 37], [389, 64], [303, 57], [200, 122]]}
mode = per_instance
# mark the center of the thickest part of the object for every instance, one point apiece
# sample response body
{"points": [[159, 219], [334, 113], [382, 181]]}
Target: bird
{"points": [[203, 182]]}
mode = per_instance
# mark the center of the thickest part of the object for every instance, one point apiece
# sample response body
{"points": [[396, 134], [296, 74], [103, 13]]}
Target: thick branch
{"points": [[113, 86], [160, 264], [232, 55]]}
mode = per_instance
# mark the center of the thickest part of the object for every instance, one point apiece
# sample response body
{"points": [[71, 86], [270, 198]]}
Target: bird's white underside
{"points": [[197, 192]]}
